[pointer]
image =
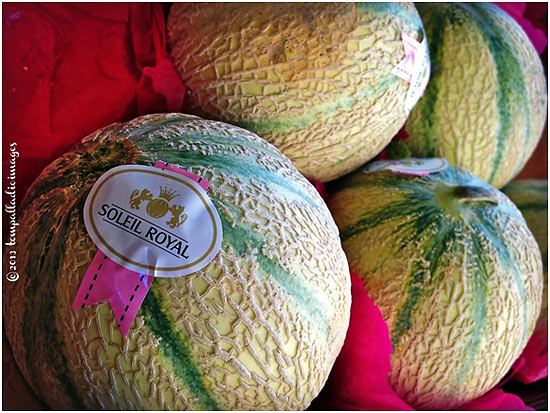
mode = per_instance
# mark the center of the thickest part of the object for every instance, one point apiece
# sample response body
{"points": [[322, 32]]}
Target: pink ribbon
{"points": [[406, 67], [125, 290]]}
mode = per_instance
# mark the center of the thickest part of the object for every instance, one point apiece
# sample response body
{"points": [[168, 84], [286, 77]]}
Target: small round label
{"points": [[153, 221], [409, 166]]}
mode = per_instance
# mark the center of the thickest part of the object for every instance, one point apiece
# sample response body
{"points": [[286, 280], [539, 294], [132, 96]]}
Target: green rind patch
{"points": [[176, 350]]}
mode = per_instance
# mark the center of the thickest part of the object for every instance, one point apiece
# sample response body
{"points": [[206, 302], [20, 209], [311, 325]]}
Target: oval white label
{"points": [[409, 166], [153, 221]]}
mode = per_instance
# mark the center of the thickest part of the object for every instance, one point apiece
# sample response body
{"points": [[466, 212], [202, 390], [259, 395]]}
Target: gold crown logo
{"points": [[159, 207], [167, 193]]}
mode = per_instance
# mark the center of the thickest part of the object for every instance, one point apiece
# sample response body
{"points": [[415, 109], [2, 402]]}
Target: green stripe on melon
{"points": [[484, 108], [174, 348], [258, 328], [313, 79], [453, 268]]}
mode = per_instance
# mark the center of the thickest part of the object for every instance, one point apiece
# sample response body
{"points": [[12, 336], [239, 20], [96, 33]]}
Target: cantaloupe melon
{"points": [[314, 79], [455, 272], [486, 102], [258, 328]]}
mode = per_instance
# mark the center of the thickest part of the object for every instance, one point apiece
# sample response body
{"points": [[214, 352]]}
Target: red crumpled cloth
{"points": [[533, 363], [71, 68]]}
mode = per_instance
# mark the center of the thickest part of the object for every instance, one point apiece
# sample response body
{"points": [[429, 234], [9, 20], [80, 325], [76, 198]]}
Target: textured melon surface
{"points": [[313, 79], [258, 328], [453, 268], [531, 197], [485, 106]]}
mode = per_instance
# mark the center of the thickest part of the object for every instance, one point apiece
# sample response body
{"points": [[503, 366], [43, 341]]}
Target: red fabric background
{"points": [[69, 69]]}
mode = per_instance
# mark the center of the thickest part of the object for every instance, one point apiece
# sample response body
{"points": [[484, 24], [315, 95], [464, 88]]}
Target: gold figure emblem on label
{"points": [[159, 207]]}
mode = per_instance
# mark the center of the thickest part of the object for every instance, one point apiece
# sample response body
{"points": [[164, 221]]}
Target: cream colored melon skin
{"points": [[460, 109], [531, 198], [257, 340], [312, 78], [454, 349]]}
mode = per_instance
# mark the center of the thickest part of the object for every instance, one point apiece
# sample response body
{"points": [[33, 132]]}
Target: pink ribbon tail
{"points": [[125, 290]]}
